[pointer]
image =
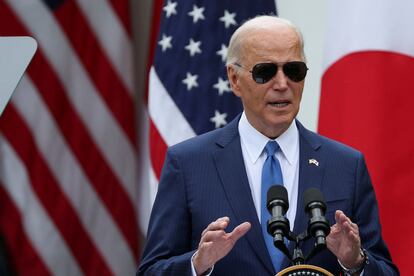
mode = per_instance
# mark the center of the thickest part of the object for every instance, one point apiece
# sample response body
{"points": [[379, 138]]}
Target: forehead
{"points": [[276, 43]]}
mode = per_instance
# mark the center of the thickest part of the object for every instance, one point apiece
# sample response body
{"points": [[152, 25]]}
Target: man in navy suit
{"points": [[206, 216]]}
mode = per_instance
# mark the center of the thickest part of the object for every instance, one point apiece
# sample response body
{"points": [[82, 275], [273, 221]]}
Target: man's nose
{"points": [[280, 80]]}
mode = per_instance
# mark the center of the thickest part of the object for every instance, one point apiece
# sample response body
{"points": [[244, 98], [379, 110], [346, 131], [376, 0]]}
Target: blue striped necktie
{"points": [[271, 175]]}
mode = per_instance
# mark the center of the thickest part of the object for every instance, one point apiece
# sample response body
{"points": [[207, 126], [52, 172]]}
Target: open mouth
{"points": [[279, 104]]}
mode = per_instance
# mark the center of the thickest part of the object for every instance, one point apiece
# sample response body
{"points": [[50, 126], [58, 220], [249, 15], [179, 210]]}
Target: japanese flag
{"points": [[367, 101]]}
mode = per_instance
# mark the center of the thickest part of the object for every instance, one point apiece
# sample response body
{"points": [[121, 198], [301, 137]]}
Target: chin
{"points": [[283, 121], [276, 127]]}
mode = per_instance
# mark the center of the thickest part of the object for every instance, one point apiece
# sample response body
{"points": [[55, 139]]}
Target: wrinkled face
{"points": [[272, 106]]}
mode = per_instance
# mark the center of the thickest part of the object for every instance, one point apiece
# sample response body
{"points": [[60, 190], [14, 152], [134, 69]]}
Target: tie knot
{"points": [[271, 148]]}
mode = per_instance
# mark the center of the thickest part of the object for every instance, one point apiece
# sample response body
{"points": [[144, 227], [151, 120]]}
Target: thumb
{"points": [[240, 231]]}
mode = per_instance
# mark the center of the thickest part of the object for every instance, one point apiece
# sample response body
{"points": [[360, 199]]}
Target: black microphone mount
{"points": [[278, 225]]}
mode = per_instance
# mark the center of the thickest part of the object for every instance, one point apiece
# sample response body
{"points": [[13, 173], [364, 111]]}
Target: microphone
{"points": [[278, 224], [315, 207]]}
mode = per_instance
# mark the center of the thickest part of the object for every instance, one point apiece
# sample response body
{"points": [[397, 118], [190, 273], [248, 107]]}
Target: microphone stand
{"points": [[278, 227], [297, 258]]}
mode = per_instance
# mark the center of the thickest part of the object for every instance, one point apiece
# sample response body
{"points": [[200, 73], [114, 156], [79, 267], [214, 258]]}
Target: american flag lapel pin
{"points": [[314, 162]]}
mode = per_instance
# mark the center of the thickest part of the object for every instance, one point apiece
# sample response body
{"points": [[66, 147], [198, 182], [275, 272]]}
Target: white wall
{"points": [[310, 17]]}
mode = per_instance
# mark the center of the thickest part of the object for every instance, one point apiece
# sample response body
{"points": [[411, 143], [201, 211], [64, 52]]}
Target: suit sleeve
{"points": [[367, 217], [168, 247]]}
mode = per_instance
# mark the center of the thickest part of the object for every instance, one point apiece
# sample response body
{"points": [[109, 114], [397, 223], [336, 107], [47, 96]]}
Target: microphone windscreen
{"points": [[312, 195], [277, 192]]}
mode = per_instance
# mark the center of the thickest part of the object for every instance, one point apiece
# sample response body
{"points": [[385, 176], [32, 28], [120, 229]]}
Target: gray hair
{"points": [[258, 22]]}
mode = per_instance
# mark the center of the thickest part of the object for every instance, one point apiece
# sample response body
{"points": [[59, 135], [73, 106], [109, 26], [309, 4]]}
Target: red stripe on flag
{"points": [[77, 136], [99, 173], [46, 188], [366, 102], [156, 21], [123, 9], [24, 258], [100, 69], [158, 149]]}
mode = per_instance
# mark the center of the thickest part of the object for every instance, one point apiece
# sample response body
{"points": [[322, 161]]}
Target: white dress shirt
{"points": [[252, 144]]}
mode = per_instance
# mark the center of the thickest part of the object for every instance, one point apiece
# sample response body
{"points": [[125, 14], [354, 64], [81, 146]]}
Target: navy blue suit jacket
{"points": [[204, 178]]}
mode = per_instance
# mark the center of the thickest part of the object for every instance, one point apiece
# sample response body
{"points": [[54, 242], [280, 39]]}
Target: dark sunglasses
{"points": [[264, 72]]}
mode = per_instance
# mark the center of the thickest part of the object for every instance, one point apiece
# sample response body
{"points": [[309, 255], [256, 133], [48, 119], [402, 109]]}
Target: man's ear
{"points": [[233, 80]]}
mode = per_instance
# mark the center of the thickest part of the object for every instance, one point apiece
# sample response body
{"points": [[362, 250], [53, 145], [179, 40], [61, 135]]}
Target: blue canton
{"points": [[191, 54]]}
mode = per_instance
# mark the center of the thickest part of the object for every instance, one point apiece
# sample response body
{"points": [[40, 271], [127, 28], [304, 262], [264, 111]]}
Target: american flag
{"points": [[189, 93], [68, 178]]}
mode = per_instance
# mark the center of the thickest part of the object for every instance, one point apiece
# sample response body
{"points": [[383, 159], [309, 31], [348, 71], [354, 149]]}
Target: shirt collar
{"points": [[254, 141]]}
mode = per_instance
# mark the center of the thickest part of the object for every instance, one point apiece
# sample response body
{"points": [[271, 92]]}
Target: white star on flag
{"points": [[170, 8], [190, 81], [165, 42], [228, 19], [196, 13], [222, 52], [193, 47], [219, 119], [222, 86]]}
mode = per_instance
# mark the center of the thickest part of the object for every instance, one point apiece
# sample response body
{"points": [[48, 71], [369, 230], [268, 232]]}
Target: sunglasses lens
{"points": [[295, 70], [263, 72]]}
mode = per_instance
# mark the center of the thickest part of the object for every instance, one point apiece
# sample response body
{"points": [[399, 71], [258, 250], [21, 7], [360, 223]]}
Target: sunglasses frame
{"points": [[256, 78]]}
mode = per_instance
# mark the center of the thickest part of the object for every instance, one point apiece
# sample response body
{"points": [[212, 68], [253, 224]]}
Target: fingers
{"points": [[344, 240], [215, 231], [218, 224], [343, 223], [215, 243], [344, 227]]}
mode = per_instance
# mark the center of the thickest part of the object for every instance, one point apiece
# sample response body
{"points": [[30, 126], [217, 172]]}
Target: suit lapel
{"points": [[311, 168], [232, 172]]}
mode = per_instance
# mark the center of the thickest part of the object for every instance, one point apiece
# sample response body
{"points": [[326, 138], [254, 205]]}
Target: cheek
{"points": [[297, 91], [252, 94], [258, 97]]}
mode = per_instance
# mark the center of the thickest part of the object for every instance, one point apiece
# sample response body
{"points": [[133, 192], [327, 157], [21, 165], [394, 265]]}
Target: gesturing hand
{"points": [[344, 241], [215, 243]]}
